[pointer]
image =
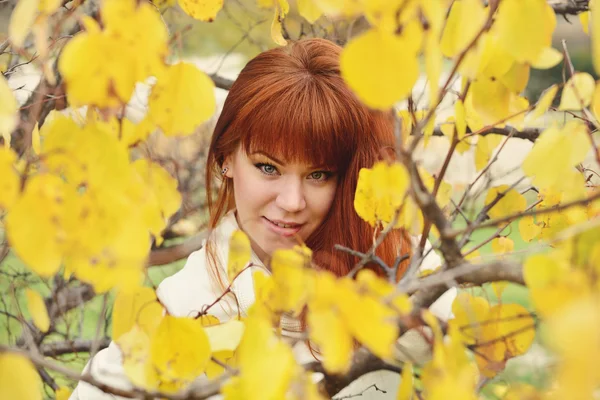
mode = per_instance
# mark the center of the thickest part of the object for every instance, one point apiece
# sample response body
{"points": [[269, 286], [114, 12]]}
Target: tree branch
{"points": [[55, 349], [564, 7]]}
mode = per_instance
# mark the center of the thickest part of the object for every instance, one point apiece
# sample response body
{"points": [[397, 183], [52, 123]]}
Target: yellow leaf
{"points": [[62, 393], [277, 27], [566, 148], [9, 116], [433, 66], [10, 182], [518, 391], [21, 21], [135, 348], [491, 100], [517, 327], [460, 119], [203, 10], [584, 18], [179, 351], [498, 288], [578, 92], [465, 20], [161, 199], [380, 191], [484, 148], [292, 278], [516, 77], [544, 102], [37, 234], [19, 378], [528, 229], [503, 245], [181, 100], [239, 254], [265, 362], [595, 37], [468, 312], [369, 321], [110, 85], [309, 9], [140, 307], [513, 23], [37, 310], [225, 337], [405, 391], [548, 58], [596, 102], [510, 201], [328, 331], [208, 320], [380, 67]]}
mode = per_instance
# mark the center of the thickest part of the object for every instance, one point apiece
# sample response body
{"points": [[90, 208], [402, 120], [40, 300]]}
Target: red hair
{"points": [[291, 102]]}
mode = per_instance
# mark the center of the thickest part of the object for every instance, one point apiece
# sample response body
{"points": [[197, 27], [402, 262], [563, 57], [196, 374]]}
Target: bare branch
{"points": [[55, 349], [564, 7]]}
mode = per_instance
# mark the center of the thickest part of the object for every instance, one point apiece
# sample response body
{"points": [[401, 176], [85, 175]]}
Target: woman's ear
{"points": [[226, 168]]}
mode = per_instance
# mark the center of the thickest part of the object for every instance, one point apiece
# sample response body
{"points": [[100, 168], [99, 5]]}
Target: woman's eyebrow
{"points": [[268, 156]]}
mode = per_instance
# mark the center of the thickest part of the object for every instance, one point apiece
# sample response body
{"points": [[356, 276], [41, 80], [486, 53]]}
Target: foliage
{"points": [[86, 208]]}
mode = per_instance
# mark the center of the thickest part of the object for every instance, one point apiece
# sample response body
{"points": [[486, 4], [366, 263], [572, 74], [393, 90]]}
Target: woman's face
{"points": [[278, 204]]}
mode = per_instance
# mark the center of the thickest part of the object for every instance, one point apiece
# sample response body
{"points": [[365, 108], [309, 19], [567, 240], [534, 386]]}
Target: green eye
{"points": [[266, 169]]}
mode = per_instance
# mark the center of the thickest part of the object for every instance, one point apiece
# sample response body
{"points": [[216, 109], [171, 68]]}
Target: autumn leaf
{"points": [[510, 201], [465, 20], [239, 254], [380, 191], [18, 378], [203, 10], [544, 102], [10, 183], [179, 351], [139, 307], [380, 67], [37, 310], [329, 332], [578, 92], [513, 24], [181, 99], [37, 234]]}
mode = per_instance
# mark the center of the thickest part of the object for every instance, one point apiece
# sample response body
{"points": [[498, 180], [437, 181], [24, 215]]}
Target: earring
{"points": [[224, 171]]}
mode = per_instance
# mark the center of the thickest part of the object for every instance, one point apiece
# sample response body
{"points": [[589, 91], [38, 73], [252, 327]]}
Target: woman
{"points": [[285, 154]]}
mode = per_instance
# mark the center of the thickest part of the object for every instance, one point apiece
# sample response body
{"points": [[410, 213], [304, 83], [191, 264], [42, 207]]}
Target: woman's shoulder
{"points": [[185, 292], [182, 291]]}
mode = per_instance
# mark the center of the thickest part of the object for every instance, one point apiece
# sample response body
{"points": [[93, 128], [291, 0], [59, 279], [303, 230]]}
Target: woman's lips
{"points": [[287, 232]]}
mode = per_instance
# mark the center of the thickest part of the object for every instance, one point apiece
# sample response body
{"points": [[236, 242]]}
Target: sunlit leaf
{"points": [[239, 253], [181, 100], [19, 378], [578, 92], [203, 10], [179, 351], [380, 67], [37, 310], [513, 24], [510, 201], [140, 307], [21, 20], [465, 20]]}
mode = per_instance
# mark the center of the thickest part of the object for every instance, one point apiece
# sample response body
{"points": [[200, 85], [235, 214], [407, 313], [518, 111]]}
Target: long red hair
{"points": [[291, 102]]}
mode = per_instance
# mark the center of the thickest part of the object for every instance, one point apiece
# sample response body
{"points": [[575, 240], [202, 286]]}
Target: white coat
{"points": [[184, 294]]}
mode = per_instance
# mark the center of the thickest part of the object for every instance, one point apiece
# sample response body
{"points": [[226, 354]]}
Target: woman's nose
{"points": [[291, 196]]}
